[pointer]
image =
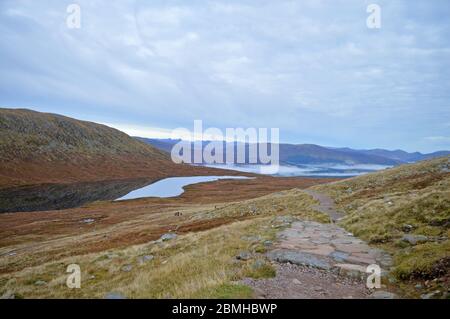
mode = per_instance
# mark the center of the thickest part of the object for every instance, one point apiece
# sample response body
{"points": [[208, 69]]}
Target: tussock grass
{"points": [[195, 265], [291, 202]]}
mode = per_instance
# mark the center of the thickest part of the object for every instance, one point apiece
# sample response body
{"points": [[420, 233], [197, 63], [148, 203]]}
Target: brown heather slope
{"points": [[37, 148]]}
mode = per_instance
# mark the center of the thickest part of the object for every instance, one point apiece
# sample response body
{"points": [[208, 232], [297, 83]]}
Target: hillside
{"points": [[298, 154], [49, 148], [398, 155], [405, 210], [315, 154]]}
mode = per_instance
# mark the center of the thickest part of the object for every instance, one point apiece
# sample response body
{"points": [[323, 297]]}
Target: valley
{"points": [[218, 235]]}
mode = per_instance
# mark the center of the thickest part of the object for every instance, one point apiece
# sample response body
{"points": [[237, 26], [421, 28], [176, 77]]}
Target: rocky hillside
{"points": [[405, 210], [47, 148]]}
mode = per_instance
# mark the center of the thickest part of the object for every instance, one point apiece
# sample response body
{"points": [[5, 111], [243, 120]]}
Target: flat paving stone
{"points": [[299, 258], [325, 246]]}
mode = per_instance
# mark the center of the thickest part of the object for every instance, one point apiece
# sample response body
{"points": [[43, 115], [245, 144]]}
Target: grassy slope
{"points": [[382, 207], [194, 265], [49, 148]]}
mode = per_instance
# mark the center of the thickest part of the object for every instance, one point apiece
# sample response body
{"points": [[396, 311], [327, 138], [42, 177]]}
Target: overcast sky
{"points": [[311, 68]]}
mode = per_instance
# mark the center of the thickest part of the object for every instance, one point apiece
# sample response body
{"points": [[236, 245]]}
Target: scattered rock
{"points": [[168, 236], [415, 239], [407, 228], [383, 295], [145, 259], [114, 295], [127, 268], [351, 271], [243, 255], [88, 220]]}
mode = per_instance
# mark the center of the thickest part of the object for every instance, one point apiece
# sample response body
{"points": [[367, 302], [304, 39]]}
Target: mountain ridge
{"points": [[298, 154]]}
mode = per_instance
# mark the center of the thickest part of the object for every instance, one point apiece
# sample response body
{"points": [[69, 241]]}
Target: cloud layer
{"points": [[311, 68]]}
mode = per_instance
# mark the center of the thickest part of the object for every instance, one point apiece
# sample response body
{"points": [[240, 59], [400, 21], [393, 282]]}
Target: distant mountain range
{"points": [[304, 154]]}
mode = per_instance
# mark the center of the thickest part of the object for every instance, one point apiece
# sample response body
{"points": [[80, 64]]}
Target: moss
{"points": [[421, 261]]}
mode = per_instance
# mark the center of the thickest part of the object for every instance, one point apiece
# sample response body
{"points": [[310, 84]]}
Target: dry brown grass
{"points": [[195, 265]]}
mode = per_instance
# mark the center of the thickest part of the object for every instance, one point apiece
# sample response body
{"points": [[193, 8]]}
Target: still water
{"points": [[172, 186]]}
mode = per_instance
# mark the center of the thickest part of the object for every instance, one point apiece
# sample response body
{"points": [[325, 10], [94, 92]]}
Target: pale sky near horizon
{"points": [[311, 68]]}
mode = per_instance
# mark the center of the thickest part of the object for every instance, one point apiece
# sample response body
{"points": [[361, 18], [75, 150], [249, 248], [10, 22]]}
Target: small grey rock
{"points": [[415, 239], [127, 268], [407, 228], [244, 255], [168, 236], [146, 258]]}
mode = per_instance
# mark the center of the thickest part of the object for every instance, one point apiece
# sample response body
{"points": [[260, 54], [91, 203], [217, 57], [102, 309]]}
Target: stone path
{"points": [[326, 205], [317, 254], [295, 282], [327, 247]]}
